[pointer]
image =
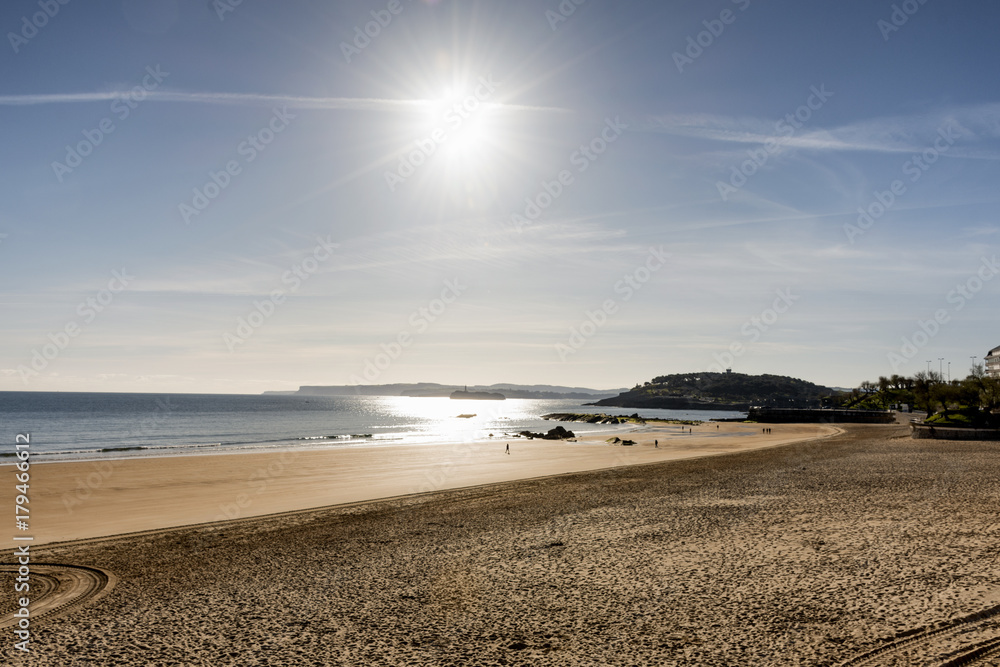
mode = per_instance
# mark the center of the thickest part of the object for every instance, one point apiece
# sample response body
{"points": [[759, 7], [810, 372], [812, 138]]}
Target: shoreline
{"points": [[104, 497], [296, 445]]}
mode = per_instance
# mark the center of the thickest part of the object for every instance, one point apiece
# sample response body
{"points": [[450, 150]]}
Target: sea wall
{"points": [[921, 431], [805, 416]]}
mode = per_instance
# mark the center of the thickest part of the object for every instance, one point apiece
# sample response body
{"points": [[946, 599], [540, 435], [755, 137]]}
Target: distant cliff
{"points": [[720, 391], [433, 390]]}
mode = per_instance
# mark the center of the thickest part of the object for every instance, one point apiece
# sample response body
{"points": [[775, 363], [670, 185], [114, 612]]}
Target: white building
{"points": [[993, 363]]}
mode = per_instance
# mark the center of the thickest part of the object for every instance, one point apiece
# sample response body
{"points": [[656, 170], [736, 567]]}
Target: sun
{"points": [[463, 122], [470, 142]]}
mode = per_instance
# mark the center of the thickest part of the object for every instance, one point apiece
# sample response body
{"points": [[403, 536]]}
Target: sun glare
{"points": [[459, 154], [469, 142], [461, 123]]}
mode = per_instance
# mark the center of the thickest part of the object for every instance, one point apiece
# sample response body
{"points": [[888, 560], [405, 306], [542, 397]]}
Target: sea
{"points": [[81, 426]]}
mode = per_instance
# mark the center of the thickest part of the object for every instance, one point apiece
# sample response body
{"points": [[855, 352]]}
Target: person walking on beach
{"points": [[656, 444], [508, 448]]}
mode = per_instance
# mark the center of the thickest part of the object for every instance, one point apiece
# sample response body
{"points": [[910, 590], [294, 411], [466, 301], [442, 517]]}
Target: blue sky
{"points": [[493, 191]]}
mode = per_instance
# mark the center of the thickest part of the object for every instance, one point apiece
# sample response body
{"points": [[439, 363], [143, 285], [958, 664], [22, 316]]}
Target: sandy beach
{"points": [[865, 547], [78, 500]]}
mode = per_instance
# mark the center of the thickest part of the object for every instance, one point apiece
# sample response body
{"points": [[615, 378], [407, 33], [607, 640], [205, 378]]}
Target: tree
{"points": [[989, 394], [923, 385], [985, 388], [952, 396]]}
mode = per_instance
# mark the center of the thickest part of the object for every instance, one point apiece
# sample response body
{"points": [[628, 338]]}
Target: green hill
{"points": [[720, 391]]}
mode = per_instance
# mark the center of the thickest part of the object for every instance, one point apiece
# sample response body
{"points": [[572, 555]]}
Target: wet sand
{"points": [[805, 554], [91, 499]]}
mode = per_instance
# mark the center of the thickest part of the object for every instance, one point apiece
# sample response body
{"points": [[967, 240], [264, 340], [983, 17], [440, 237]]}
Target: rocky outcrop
{"points": [[558, 433], [721, 391], [593, 419]]}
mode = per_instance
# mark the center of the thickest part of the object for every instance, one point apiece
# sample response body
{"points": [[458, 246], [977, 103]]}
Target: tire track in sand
{"points": [[63, 589], [976, 655], [927, 642]]}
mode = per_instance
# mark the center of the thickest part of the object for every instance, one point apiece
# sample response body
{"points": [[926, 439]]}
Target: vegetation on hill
{"points": [[725, 391]]}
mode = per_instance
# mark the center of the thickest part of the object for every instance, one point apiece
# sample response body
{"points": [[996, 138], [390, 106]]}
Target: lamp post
{"points": [[949, 372], [940, 368], [973, 367], [928, 367]]}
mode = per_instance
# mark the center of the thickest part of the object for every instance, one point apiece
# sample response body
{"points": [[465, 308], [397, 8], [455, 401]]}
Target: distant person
{"points": [[656, 444], [508, 448]]}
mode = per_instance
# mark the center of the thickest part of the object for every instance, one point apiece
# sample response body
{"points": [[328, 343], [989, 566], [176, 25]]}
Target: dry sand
{"points": [[806, 554]]}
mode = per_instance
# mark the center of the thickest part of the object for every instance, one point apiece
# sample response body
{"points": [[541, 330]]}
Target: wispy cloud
{"points": [[255, 99], [981, 230], [890, 134]]}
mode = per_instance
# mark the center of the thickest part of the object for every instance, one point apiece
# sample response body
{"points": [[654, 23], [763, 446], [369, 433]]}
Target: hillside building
{"points": [[993, 363]]}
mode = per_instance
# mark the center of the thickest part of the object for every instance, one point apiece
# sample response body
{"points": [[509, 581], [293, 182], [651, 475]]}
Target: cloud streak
{"points": [[256, 99], [892, 134]]}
